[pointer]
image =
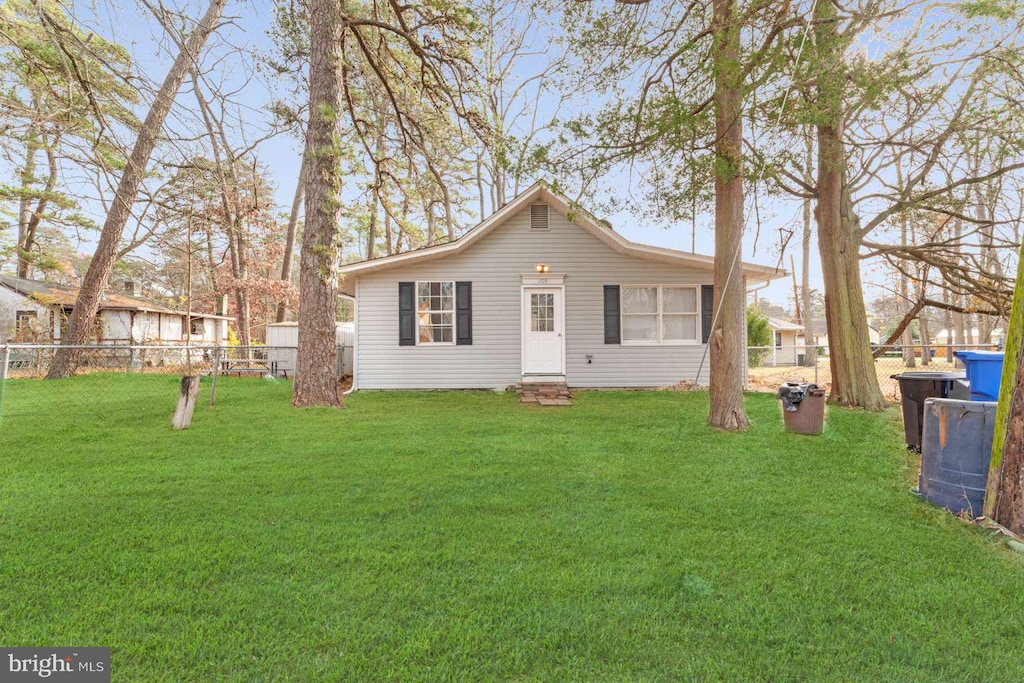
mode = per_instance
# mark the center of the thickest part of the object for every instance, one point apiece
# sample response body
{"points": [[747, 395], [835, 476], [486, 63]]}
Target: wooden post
{"points": [[186, 402], [1004, 492], [216, 373]]}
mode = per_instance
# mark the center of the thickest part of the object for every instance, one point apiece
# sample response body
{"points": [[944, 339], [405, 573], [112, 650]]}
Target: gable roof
{"points": [[51, 294], [541, 191], [780, 325]]}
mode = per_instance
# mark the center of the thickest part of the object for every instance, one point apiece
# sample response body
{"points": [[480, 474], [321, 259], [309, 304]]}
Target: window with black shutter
{"points": [[612, 333], [464, 313], [707, 312]]}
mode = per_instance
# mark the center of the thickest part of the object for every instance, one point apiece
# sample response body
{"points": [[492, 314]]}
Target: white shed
{"points": [[283, 344]]}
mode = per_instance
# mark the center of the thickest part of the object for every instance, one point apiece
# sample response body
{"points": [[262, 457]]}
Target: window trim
{"points": [[454, 311], [660, 341], [23, 318]]}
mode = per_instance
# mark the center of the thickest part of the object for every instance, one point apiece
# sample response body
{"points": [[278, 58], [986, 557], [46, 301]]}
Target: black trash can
{"points": [[915, 387]]}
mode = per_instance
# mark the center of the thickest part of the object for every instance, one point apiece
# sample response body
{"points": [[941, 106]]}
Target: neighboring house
{"points": [[787, 343], [822, 339], [33, 311], [942, 337], [540, 291]]}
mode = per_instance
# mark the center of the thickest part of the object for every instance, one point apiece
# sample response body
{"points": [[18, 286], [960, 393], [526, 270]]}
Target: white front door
{"points": [[543, 327]]}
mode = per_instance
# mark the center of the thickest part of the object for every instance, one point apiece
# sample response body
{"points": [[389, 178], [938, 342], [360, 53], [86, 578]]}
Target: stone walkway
{"points": [[547, 394]]}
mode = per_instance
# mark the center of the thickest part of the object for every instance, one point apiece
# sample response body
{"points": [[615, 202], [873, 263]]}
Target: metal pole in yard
{"points": [[815, 363], [4, 363], [216, 372]]}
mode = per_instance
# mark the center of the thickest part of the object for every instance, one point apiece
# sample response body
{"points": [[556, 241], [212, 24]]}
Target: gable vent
{"points": [[539, 217]]}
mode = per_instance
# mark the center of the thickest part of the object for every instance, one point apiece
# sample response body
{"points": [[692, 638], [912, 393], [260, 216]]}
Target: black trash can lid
{"points": [[930, 376]]}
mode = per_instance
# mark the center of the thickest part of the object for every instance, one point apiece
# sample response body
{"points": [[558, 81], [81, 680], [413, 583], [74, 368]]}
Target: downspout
{"points": [[355, 342]]}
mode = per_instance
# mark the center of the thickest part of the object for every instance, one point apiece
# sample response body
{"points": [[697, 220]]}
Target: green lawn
{"points": [[462, 536]]}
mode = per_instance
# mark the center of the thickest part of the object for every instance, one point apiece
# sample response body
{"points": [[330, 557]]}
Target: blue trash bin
{"points": [[984, 370]]}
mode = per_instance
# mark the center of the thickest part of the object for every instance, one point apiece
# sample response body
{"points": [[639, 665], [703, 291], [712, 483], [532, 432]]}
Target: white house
{"points": [[821, 339], [787, 343], [540, 291], [942, 337], [34, 311]]}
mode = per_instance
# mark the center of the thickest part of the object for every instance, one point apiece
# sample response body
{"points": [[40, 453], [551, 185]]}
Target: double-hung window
{"points": [[660, 314], [435, 312]]}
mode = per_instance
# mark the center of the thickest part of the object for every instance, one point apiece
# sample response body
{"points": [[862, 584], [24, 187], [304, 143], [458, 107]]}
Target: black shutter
{"points": [[463, 313], [707, 310], [611, 314], [407, 314]]}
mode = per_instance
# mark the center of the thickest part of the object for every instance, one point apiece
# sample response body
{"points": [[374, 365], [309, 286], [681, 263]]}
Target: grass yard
{"points": [[462, 536]]}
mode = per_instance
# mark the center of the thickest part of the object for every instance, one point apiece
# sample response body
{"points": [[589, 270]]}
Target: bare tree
{"points": [[102, 264]]}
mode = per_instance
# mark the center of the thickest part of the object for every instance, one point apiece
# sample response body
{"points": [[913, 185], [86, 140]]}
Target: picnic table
{"points": [[247, 366]]}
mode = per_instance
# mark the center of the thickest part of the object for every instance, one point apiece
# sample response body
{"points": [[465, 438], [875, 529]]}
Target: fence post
{"points": [[216, 372], [131, 358], [815, 347]]}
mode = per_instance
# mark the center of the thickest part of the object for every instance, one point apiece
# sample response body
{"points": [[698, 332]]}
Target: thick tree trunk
{"points": [[316, 381], [1004, 493], [810, 359], [1009, 503], [102, 264], [727, 334], [854, 381], [289, 240], [28, 177]]}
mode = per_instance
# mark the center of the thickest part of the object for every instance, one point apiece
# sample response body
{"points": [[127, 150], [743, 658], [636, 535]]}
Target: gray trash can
{"points": [[955, 453]]}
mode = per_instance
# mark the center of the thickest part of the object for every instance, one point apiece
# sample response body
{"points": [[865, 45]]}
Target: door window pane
{"points": [[542, 312]]}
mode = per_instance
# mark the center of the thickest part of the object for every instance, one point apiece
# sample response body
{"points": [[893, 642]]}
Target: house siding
{"points": [[787, 354], [10, 303], [495, 265]]}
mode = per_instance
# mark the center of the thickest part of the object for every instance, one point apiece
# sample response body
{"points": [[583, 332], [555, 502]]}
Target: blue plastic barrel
{"points": [[984, 370]]}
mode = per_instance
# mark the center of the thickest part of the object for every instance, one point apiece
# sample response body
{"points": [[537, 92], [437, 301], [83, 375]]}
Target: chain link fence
{"points": [[771, 366], [133, 379]]}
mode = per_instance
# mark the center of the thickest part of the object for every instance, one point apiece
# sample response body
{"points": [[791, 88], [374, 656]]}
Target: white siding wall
{"points": [[494, 266], [11, 302], [171, 328], [116, 326], [787, 353]]}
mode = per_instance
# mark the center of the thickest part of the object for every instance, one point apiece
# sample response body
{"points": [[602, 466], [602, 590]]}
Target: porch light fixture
{"points": [[542, 268]]}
